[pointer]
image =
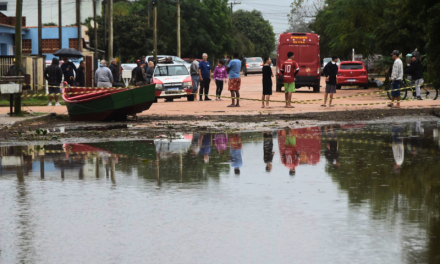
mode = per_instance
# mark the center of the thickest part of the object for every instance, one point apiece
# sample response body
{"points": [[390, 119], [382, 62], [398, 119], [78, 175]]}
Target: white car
{"points": [[176, 60], [172, 81]]}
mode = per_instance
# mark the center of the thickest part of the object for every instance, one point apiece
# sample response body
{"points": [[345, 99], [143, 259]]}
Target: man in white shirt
{"points": [[396, 79]]}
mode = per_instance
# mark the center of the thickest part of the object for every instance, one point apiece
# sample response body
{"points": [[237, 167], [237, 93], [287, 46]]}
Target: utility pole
{"points": [[232, 6], [78, 22], [155, 31], [148, 14], [60, 24], [178, 29], [18, 49], [40, 30], [105, 28], [95, 56], [110, 30]]}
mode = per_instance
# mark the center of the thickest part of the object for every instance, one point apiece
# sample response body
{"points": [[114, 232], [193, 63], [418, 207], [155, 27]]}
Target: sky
{"points": [[275, 11]]}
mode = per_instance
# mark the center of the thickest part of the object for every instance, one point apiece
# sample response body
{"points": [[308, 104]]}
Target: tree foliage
{"points": [[258, 30]]}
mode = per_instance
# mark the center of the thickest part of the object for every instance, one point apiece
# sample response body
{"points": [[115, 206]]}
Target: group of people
{"points": [[230, 73], [143, 72], [73, 76]]}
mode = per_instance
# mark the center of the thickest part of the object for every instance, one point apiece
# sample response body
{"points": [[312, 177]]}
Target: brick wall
{"points": [[50, 45]]}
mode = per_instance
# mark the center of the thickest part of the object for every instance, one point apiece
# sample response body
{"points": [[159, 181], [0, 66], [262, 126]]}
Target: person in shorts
{"points": [[289, 69], [53, 74], [234, 84], [330, 73]]}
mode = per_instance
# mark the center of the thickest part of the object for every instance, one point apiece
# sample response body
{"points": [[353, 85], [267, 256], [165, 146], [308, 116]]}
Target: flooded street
{"points": [[330, 194]]}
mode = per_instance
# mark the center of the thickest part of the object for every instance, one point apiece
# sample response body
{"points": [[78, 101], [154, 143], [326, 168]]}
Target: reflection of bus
{"points": [[308, 143]]}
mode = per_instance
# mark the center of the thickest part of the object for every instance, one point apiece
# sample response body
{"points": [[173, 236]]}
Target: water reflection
{"points": [[375, 185]]}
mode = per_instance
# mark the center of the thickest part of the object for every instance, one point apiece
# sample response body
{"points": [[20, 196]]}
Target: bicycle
{"points": [[427, 92]]}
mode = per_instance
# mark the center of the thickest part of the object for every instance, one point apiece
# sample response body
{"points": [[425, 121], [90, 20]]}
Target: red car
{"points": [[352, 73]]}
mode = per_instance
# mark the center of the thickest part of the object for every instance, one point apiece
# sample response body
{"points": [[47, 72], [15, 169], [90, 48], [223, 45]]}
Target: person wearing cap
{"points": [[415, 70], [396, 79], [103, 75]]}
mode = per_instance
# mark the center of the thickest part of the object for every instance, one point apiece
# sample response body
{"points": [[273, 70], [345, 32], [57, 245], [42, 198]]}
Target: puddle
{"points": [[363, 193]]}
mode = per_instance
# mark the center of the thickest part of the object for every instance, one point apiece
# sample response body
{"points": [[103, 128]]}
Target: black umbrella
{"points": [[69, 53]]}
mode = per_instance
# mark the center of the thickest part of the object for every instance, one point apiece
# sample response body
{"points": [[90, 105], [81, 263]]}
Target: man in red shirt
{"points": [[289, 69], [289, 154]]}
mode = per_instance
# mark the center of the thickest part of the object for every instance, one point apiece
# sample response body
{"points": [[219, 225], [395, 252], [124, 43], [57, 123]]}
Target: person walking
{"points": [[220, 76], [80, 80], [103, 75], [396, 79], [330, 73], [69, 70], [54, 75], [115, 73], [415, 70], [205, 77], [289, 69], [194, 71], [267, 82], [234, 83]]}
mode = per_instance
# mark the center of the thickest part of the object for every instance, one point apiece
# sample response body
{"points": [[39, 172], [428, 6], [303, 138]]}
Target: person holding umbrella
{"points": [[69, 70]]}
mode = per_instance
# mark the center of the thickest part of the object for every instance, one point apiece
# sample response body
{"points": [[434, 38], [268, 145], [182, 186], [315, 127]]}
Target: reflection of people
{"points": [[331, 151], [206, 146], [288, 153], [195, 144], [268, 150], [221, 142], [416, 140], [235, 151], [397, 146]]}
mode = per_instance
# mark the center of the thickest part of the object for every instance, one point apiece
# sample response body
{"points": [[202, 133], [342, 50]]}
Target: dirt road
{"points": [[252, 89]]}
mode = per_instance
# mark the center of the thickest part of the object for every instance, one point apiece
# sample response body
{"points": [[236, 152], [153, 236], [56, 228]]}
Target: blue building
{"points": [[7, 42]]}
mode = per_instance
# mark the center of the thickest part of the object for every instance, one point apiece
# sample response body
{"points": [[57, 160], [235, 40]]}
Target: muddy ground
{"points": [[58, 127]]}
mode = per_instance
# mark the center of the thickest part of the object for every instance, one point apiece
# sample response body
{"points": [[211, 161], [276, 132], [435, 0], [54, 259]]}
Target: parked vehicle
{"points": [[305, 46], [253, 65], [325, 61], [176, 60], [172, 81], [352, 73]]}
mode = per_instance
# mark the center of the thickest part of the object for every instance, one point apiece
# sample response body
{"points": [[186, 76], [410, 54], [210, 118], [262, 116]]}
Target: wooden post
{"points": [[42, 167], [95, 57], [78, 23], [18, 50], [155, 32], [110, 31], [40, 30], [60, 24], [178, 29], [105, 28]]}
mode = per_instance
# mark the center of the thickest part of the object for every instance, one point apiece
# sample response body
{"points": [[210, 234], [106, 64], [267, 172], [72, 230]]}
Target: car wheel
{"points": [[366, 86], [316, 88], [155, 100], [339, 87], [169, 100], [190, 97]]}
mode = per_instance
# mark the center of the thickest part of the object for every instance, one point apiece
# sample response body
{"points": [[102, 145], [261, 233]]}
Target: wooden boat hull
{"points": [[108, 104]]}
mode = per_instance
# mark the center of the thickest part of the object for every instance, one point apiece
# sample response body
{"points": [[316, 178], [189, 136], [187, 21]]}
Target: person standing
{"points": [[234, 83], [54, 75], [69, 70], [221, 142], [206, 146], [150, 72], [289, 69], [80, 75], [220, 76], [330, 73], [235, 151], [289, 155], [103, 75], [115, 73], [415, 70], [396, 79], [139, 74], [194, 71], [268, 150], [205, 77], [267, 82]]}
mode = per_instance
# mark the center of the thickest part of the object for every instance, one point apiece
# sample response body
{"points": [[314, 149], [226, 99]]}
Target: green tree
{"points": [[243, 45], [258, 30]]}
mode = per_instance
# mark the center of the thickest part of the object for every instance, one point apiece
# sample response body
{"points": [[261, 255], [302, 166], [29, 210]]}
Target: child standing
{"points": [[289, 69], [220, 76], [267, 82]]}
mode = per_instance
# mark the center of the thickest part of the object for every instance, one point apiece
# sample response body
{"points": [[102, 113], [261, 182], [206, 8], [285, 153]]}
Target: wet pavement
{"points": [[358, 193]]}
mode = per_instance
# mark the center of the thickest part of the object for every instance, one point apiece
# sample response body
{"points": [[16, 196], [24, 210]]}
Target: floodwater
{"points": [[337, 194]]}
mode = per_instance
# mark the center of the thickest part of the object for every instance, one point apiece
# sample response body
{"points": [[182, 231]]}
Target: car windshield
{"points": [[177, 59], [250, 60], [352, 66], [171, 70]]}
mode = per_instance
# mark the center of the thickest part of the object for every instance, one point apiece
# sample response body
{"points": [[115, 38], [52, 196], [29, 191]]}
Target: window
{"points": [[171, 71], [50, 45], [73, 44], [352, 66], [3, 6]]}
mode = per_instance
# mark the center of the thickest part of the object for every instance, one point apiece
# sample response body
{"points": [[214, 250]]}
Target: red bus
{"points": [[305, 46]]}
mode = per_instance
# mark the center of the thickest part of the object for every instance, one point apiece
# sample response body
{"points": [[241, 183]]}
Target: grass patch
{"points": [[34, 101]]}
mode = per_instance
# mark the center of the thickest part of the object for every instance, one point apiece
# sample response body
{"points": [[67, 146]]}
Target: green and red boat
{"points": [[95, 104]]}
